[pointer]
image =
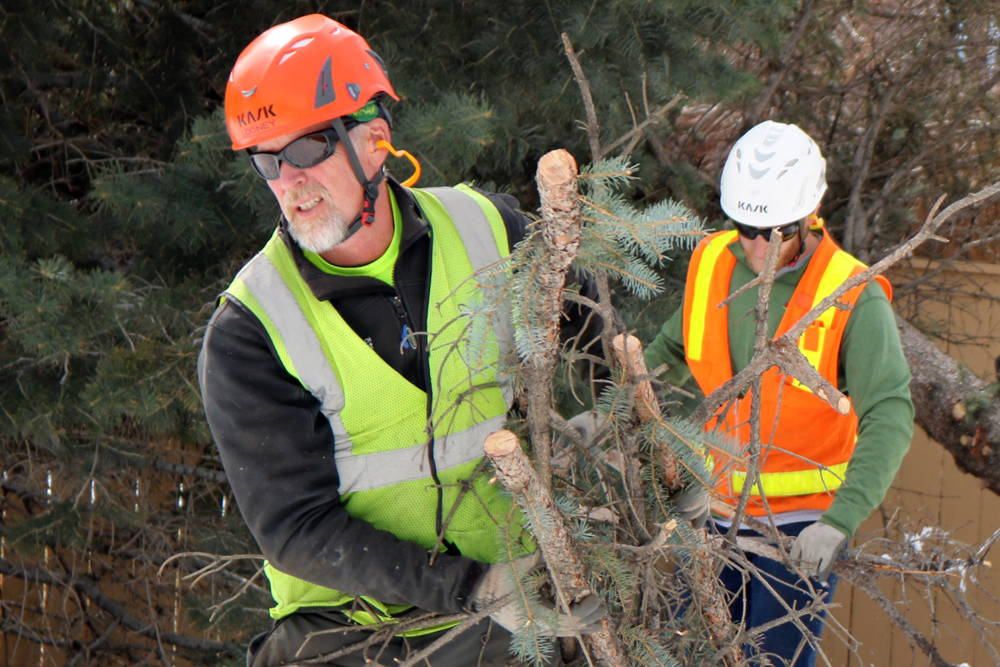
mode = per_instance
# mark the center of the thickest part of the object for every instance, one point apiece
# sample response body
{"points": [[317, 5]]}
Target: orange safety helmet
{"points": [[297, 74]]}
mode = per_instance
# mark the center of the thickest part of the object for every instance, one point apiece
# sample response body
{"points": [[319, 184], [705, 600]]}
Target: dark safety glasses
{"points": [[306, 151], [750, 233]]}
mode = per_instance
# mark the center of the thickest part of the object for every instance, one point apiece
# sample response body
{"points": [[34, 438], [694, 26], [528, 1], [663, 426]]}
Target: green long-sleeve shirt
{"points": [[872, 371]]}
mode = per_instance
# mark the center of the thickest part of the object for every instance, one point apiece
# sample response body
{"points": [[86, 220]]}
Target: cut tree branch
{"points": [[706, 586], [569, 573], [560, 226]]}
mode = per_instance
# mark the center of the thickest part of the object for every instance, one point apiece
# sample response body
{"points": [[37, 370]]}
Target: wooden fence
{"points": [[929, 491]]}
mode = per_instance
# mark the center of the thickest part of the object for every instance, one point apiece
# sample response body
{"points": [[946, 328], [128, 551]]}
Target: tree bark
{"points": [[558, 190], [943, 396]]}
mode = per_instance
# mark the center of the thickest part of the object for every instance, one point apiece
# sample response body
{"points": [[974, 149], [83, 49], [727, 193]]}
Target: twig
{"points": [[593, 129], [634, 135]]}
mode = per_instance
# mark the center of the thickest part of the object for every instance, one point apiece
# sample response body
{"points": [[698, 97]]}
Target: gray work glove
{"points": [[817, 548], [587, 425], [693, 503], [583, 618]]}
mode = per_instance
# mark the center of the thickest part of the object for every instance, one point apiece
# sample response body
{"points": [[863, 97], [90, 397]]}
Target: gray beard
{"points": [[321, 235]]}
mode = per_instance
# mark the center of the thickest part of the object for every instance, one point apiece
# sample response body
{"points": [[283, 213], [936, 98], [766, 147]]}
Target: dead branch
{"points": [[593, 129], [86, 587], [634, 135]]}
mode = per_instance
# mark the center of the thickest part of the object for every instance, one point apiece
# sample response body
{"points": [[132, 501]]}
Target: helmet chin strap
{"points": [[369, 186]]}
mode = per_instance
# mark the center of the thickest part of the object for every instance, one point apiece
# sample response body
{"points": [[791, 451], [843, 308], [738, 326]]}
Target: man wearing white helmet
{"points": [[822, 473]]}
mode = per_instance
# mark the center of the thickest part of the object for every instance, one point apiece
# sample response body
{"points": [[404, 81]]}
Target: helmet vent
{"points": [[302, 42], [324, 85], [378, 60], [758, 173], [286, 57], [774, 134], [763, 157]]}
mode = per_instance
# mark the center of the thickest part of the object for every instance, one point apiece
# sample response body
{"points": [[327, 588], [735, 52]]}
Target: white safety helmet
{"points": [[774, 175]]}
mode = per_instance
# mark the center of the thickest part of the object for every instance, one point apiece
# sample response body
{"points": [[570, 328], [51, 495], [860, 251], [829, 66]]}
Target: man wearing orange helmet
{"points": [[352, 439]]}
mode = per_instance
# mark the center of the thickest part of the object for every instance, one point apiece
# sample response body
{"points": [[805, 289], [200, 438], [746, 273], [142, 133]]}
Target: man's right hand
{"points": [[584, 617]]}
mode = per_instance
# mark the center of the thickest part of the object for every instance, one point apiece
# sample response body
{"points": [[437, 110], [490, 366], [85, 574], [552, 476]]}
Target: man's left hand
{"points": [[817, 548]]}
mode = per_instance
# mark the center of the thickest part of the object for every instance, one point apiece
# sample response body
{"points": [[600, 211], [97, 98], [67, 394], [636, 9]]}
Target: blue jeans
{"points": [[754, 605]]}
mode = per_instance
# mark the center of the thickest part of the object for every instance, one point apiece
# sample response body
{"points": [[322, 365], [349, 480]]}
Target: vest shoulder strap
{"points": [[477, 221], [706, 330], [472, 222]]}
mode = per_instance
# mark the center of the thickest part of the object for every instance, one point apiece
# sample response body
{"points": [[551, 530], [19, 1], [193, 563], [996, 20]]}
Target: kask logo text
{"points": [[752, 208], [250, 117]]}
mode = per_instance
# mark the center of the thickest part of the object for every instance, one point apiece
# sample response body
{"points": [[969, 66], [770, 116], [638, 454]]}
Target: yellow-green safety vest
{"points": [[380, 421]]}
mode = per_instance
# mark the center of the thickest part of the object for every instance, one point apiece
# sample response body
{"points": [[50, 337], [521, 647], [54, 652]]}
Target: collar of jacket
{"points": [[324, 285]]}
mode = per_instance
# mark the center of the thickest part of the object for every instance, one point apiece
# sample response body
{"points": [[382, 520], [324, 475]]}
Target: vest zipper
{"points": [[405, 342]]}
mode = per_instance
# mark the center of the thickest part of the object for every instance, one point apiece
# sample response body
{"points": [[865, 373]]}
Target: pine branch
{"points": [[706, 586]]}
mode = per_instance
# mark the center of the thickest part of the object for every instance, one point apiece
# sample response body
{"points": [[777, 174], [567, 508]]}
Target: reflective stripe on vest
{"points": [[461, 205], [812, 342], [795, 483], [694, 345], [305, 353]]}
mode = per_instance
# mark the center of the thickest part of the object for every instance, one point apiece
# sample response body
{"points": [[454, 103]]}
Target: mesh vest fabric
{"points": [[380, 420], [807, 443]]}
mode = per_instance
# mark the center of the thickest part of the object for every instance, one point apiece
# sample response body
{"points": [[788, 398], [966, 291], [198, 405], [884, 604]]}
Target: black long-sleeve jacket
{"points": [[277, 447]]}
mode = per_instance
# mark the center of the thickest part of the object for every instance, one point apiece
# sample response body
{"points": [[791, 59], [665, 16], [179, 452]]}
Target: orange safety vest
{"points": [[807, 444]]}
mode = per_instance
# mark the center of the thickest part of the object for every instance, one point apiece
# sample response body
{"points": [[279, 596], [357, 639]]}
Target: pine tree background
{"points": [[123, 213]]}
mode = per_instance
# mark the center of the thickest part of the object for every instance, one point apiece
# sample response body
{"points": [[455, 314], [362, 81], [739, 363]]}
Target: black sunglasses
{"points": [[750, 233], [306, 151]]}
